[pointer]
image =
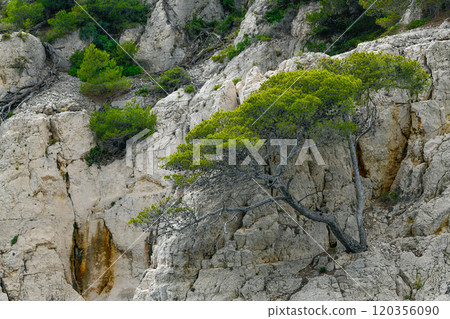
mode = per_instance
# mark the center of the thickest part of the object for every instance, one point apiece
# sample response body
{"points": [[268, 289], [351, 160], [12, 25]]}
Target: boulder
{"points": [[22, 62]]}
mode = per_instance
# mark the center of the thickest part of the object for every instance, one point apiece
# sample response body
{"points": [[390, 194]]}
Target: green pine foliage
{"points": [[227, 26], [316, 104], [101, 74], [14, 240], [113, 15], [389, 12], [380, 71], [173, 79], [53, 6], [95, 156], [319, 103], [21, 14], [122, 124], [232, 50], [75, 62], [64, 23], [189, 89], [124, 58], [278, 8], [334, 18], [117, 15]]}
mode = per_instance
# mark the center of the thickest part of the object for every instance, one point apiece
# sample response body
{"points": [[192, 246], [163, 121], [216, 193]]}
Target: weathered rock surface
{"points": [[70, 222], [160, 44], [266, 259], [64, 225], [22, 62]]}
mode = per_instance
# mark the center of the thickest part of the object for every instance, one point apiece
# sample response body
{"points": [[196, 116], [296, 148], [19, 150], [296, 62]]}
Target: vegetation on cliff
{"points": [[319, 104]]}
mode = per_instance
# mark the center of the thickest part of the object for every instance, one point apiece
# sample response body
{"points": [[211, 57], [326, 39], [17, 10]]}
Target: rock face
{"points": [[64, 232], [160, 45], [266, 257], [22, 62], [58, 215]]}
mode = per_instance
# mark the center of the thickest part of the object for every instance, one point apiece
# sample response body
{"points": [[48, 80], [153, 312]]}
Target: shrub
{"points": [[106, 83], [237, 80], [198, 25], [125, 60], [173, 79], [224, 27], [221, 56], [232, 51], [14, 240], [228, 5], [217, 86], [101, 74], [417, 23], [230, 23], [334, 18], [75, 61], [53, 6], [99, 38], [118, 125], [6, 35], [278, 9], [389, 12], [63, 23], [117, 15], [20, 14], [189, 89], [264, 38], [142, 91], [113, 15], [95, 156], [22, 35]]}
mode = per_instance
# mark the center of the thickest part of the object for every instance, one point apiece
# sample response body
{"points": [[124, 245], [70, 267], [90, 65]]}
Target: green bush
{"points": [[75, 62], [417, 23], [217, 86], [230, 23], [53, 6], [173, 79], [198, 25], [264, 38], [21, 14], [63, 23], [117, 15], [228, 5], [389, 12], [232, 51], [237, 80], [334, 18], [113, 15], [125, 60], [95, 156], [114, 124], [14, 240], [142, 92], [189, 89], [278, 8], [6, 35], [100, 73], [224, 27]]}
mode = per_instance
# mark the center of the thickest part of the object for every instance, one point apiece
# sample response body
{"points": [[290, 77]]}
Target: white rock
{"points": [[22, 62]]}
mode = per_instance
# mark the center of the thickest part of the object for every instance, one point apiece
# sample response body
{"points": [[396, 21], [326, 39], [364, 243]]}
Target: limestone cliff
{"points": [[64, 232]]}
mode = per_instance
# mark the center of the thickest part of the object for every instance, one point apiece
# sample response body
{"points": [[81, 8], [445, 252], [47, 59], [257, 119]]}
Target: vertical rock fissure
{"points": [[76, 260], [3, 289]]}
